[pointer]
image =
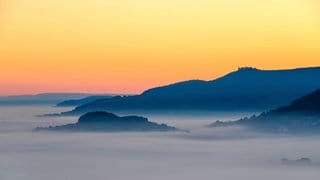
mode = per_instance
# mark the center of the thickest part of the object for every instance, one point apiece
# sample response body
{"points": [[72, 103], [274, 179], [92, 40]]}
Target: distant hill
{"points": [[301, 116], [244, 89], [108, 122], [78, 102], [40, 99]]}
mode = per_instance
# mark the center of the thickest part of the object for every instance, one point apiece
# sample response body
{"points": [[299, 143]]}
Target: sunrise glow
{"points": [[127, 46]]}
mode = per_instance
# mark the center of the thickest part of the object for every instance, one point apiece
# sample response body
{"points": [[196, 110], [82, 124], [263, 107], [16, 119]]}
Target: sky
{"points": [[127, 46]]}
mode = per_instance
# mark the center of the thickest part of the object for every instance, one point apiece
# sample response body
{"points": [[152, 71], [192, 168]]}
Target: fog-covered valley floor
{"points": [[201, 153]]}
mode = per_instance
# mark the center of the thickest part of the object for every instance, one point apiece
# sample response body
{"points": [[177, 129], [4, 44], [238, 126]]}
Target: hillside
{"points": [[78, 102], [244, 89], [301, 116]]}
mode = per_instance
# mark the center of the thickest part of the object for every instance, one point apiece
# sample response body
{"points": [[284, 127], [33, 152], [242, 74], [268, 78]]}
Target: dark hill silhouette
{"points": [[301, 116], [108, 122], [78, 102], [307, 104], [245, 89]]}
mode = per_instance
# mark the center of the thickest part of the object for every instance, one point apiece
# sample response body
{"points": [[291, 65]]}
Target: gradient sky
{"points": [[126, 46]]}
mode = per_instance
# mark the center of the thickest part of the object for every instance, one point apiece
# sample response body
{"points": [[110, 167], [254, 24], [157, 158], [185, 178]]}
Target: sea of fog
{"points": [[199, 153]]}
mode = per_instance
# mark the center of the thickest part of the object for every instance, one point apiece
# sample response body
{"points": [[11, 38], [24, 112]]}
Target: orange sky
{"points": [[126, 46]]}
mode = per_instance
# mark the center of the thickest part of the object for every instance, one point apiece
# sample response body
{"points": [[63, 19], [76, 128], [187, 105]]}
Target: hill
{"points": [[301, 116], [78, 102], [108, 122], [244, 89]]}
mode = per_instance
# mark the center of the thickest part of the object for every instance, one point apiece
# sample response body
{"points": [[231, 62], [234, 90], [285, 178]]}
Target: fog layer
{"points": [[202, 153]]}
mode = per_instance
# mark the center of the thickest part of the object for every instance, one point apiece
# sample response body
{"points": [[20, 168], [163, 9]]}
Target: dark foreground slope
{"points": [[245, 89], [108, 122], [301, 116]]}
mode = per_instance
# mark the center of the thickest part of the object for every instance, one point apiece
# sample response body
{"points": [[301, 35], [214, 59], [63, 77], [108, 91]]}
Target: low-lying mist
{"points": [[201, 153]]}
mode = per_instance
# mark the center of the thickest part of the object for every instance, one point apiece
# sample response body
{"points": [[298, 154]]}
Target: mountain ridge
{"points": [[78, 102], [246, 88]]}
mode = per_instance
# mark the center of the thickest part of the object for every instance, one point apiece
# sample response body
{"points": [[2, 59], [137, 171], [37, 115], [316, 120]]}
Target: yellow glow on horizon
{"points": [[127, 46]]}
